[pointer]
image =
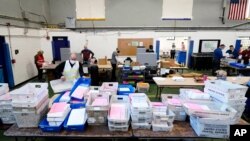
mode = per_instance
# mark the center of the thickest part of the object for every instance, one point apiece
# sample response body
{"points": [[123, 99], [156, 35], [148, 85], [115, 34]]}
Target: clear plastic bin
{"points": [[31, 119], [111, 87], [118, 128], [163, 117], [8, 120], [210, 110], [162, 127], [224, 90], [141, 125], [59, 86], [142, 87], [213, 128], [29, 92]]}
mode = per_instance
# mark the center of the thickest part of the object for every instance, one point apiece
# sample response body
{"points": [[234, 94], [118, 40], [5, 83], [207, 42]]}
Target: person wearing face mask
{"points": [[114, 63], [70, 69]]}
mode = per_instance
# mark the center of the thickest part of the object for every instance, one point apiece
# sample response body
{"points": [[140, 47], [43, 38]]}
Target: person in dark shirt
{"points": [[70, 69], [216, 58], [94, 74], [150, 49], [128, 59], [230, 51], [87, 55], [172, 51]]}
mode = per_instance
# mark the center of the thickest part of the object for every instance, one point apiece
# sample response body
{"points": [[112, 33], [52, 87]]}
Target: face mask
{"points": [[72, 61]]}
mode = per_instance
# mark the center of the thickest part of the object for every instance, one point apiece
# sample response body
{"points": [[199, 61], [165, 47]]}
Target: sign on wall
{"points": [[208, 46]]}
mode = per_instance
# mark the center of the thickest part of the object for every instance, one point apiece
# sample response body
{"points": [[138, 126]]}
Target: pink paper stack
{"points": [[79, 92], [117, 111]]}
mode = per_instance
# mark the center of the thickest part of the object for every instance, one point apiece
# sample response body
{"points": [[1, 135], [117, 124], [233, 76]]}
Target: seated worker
{"points": [[70, 69], [230, 51], [94, 74], [128, 59], [150, 49]]}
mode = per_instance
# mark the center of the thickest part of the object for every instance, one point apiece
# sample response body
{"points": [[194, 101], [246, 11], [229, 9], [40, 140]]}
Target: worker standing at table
{"points": [[87, 55], [70, 69], [114, 63], [39, 60], [246, 56], [217, 56]]}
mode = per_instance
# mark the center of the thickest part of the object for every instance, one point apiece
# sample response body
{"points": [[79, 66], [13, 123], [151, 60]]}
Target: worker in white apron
{"points": [[69, 70]]}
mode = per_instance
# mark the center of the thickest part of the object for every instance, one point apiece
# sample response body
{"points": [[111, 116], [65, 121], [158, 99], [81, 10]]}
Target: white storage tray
{"points": [[215, 110], [162, 127], [118, 128], [61, 86], [163, 117], [213, 128], [8, 120], [141, 125], [4, 88], [29, 92], [32, 103], [224, 90], [30, 119], [111, 87], [91, 99]]}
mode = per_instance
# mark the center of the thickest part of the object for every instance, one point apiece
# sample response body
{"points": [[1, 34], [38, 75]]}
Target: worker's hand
{"points": [[63, 78]]}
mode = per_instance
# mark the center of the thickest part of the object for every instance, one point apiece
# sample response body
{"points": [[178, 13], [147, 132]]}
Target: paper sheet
{"points": [[197, 107], [79, 92], [77, 117], [174, 101], [65, 97], [58, 109], [100, 102], [117, 111], [124, 89]]}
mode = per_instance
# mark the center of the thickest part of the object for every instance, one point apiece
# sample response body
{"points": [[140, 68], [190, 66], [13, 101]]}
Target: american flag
{"points": [[237, 10]]}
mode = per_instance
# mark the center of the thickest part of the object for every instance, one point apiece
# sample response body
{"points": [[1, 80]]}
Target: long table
{"points": [[190, 83], [181, 130]]}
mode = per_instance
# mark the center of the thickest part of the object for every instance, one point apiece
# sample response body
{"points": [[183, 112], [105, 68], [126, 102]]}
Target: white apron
{"points": [[71, 73]]}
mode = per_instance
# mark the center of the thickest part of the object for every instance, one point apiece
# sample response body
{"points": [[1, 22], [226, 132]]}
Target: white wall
{"points": [[28, 45], [103, 43]]}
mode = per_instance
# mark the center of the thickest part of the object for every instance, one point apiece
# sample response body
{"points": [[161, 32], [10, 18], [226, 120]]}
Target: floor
{"points": [[151, 94]]}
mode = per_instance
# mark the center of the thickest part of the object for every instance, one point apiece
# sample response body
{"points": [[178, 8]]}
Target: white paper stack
{"points": [[65, 97], [141, 111], [77, 117], [227, 93], [6, 110], [58, 113], [30, 103]]}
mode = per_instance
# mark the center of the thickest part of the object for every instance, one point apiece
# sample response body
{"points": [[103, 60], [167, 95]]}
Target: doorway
{"points": [[60, 46], [181, 49], [6, 73]]}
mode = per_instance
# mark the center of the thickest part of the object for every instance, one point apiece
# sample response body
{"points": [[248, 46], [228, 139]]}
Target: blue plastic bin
{"points": [[131, 89], [75, 127], [238, 65], [44, 126]]}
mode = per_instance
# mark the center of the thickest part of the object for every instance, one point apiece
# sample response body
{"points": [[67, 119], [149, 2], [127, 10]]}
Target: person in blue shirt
{"points": [[216, 58], [230, 51]]}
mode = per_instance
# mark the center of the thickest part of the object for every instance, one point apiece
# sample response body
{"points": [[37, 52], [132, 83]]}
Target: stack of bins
{"points": [[174, 103], [97, 107], [162, 118], [119, 113], [30, 104], [6, 110], [228, 93], [141, 111]]}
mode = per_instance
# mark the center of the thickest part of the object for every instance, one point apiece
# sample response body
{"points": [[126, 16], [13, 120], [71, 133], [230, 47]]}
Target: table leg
{"points": [[157, 89], [16, 138], [161, 88]]}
